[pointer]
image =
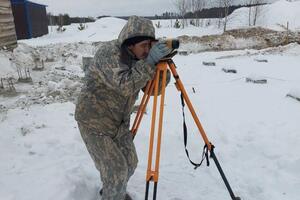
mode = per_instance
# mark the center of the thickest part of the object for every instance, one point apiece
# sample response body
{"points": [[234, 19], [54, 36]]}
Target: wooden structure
{"points": [[8, 38]]}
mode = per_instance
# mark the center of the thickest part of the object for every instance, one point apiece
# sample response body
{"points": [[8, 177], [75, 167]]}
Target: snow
{"points": [[168, 32], [295, 93], [6, 66], [103, 29], [254, 127], [270, 16]]}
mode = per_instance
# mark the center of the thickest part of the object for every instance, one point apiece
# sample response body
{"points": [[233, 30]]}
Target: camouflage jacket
{"points": [[113, 81]]}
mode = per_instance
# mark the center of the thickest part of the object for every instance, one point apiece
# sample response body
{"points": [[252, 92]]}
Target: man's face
{"points": [[141, 49]]}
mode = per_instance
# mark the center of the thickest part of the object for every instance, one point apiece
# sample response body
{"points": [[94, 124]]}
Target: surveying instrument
{"points": [[152, 89]]}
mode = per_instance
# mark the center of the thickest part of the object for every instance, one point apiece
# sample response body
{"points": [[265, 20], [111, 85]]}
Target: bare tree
{"points": [[250, 3], [220, 14], [193, 8], [182, 6], [225, 5], [50, 20], [257, 10], [192, 5], [200, 6], [254, 11], [196, 7], [61, 20]]}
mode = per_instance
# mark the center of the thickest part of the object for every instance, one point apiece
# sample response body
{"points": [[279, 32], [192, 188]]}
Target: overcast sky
{"points": [[94, 8], [108, 7]]}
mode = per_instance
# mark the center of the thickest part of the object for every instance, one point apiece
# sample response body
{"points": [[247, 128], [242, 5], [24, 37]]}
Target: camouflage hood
{"points": [[113, 81], [136, 26]]}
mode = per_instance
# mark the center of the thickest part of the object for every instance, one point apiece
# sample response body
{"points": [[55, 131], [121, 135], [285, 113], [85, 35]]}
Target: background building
{"points": [[30, 19]]}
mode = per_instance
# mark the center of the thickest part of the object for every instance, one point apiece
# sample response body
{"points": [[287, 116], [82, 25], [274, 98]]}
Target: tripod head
{"points": [[169, 56], [172, 44]]}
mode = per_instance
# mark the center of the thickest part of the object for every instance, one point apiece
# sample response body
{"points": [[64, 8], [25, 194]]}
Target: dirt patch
{"points": [[238, 39], [250, 32]]}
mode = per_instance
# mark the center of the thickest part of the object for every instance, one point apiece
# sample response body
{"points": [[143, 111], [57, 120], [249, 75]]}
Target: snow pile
{"points": [[274, 16], [103, 29], [108, 28], [59, 80], [254, 127], [281, 13], [6, 65]]}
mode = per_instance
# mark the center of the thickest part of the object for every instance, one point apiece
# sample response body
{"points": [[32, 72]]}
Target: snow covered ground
{"points": [[255, 127]]}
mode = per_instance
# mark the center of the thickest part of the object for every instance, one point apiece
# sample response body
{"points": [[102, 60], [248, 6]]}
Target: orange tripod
{"points": [[152, 88]]}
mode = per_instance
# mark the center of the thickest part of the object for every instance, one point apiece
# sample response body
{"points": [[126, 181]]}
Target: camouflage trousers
{"points": [[115, 159]]}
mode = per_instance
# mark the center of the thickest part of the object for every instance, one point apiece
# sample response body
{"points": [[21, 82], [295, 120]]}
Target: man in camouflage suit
{"points": [[120, 69]]}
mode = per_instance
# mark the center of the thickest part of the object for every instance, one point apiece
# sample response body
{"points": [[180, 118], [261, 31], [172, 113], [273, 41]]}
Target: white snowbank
{"points": [[104, 29], [269, 16]]}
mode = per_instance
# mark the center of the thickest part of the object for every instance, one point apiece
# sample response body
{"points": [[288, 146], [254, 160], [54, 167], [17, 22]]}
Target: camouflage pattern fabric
{"points": [[112, 84], [114, 81], [115, 159], [135, 27]]}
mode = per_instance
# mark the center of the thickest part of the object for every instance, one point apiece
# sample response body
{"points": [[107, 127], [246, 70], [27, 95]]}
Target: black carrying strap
{"points": [[205, 149]]}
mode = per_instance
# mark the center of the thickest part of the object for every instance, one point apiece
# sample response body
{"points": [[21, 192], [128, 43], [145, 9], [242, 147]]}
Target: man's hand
{"points": [[157, 52]]}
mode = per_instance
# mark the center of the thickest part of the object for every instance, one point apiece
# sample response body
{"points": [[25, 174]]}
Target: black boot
{"points": [[127, 197]]}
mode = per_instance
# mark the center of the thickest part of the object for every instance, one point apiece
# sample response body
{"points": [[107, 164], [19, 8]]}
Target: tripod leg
{"points": [[210, 147], [155, 191], [139, 112], [161, 114], [142, 108], [152, 175], [147, 190], [233, 197]]}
